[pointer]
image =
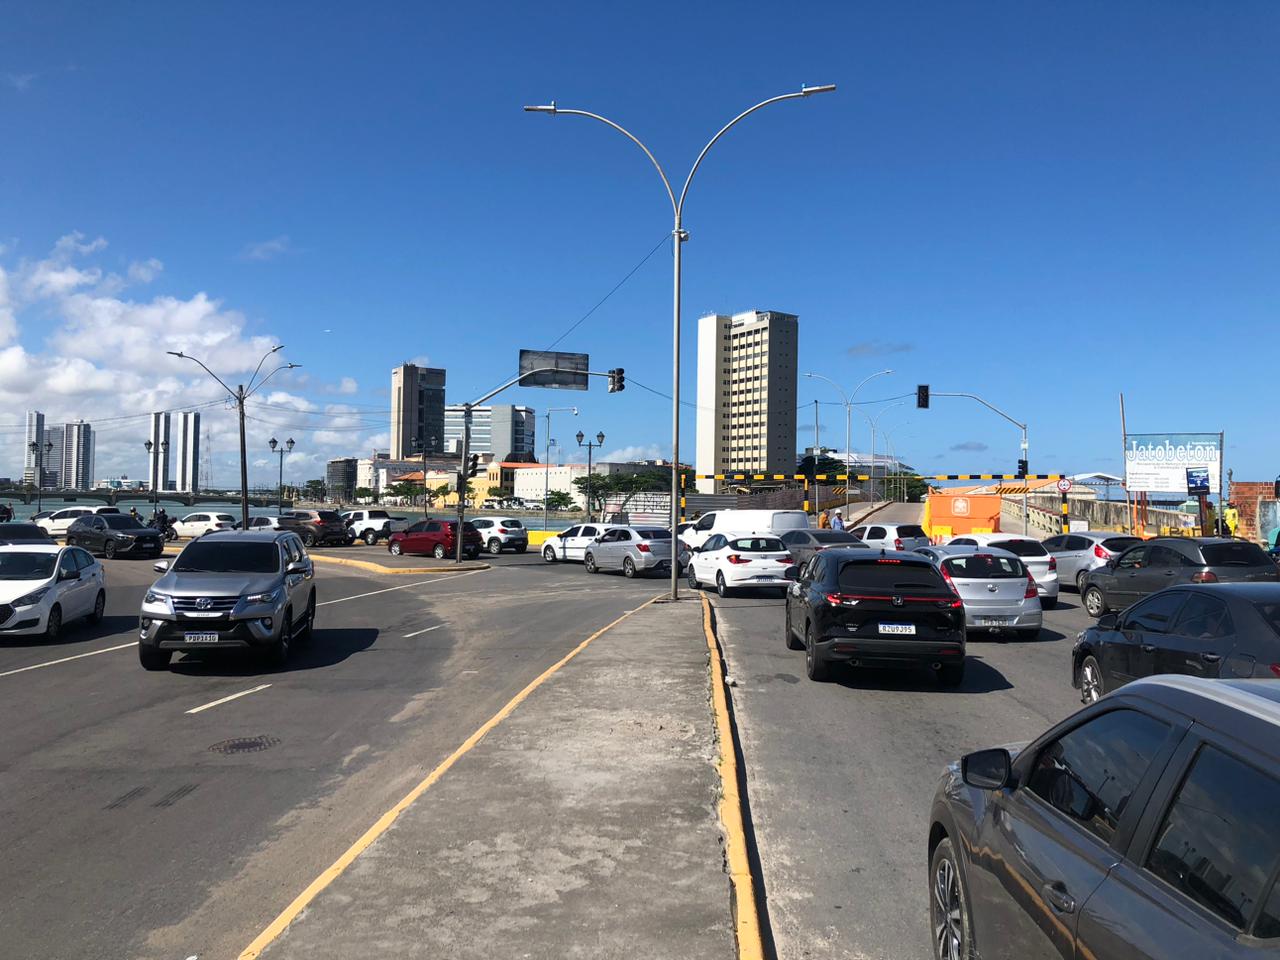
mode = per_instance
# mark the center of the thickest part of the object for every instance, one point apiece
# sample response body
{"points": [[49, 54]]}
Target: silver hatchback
{"points": [[998, 591], [1080, 551], [632, 550]]}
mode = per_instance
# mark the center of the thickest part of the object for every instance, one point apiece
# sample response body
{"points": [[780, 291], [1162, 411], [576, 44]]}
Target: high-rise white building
{"points": [[30, 457], [187, 453], [54, 453], [77, 456], [158, 467], [746, 394], [504, 430]]}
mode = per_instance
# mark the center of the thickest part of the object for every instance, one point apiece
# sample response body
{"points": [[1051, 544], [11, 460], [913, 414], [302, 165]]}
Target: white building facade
{"points": [[158, 464], [187, 453]]}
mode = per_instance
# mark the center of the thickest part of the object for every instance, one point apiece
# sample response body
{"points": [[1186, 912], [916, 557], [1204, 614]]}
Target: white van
{"points": [[743, 521]]}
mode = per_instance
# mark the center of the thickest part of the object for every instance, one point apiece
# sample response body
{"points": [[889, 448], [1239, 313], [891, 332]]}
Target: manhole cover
{"points": [[245, 744]]}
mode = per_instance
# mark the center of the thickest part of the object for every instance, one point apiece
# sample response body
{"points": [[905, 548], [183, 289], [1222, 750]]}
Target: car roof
{"points": [[1251, 592], [251, 536], [969, 550], [1226, 705], [1101, 534], [33, 547]]}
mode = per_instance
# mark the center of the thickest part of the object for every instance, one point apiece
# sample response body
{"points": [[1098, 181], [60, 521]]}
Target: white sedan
{"points": [[737, 560], [198, 524], [43, 587]]}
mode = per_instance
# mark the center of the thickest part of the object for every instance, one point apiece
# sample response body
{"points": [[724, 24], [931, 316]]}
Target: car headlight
{"points": [[32, 598], [272, 596], [158, 599]]}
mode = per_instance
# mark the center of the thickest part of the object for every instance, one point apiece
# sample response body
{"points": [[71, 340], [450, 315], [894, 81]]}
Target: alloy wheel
{"points": [[1090, 681], [396, 549], [1093, 602], [549, 555], [948, 932]]}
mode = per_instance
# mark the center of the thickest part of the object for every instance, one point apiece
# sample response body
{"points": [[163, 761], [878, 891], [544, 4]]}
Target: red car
{"points": [[436, 538]]}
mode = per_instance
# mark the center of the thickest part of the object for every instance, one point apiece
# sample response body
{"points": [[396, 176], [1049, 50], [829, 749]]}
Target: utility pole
{"points": [[546, 483], [463, 480]]}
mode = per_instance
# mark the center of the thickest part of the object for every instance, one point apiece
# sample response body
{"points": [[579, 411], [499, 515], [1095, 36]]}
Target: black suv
{"points": [[115, 534], [1142, 827], [317, 527], [874, 608], [1151, 566]]}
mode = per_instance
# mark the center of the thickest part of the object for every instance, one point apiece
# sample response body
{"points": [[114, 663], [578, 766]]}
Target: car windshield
{"points": [[856, 575], [1236, 554], [833, 536], [1023, 548], [653, 533], [27, 566], [911, 530], [229, 556], [757, 545], [119, 521], [22, 531], [983, 566]]}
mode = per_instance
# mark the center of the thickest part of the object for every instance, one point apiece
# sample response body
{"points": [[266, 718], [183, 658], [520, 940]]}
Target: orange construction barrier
{"points": [[960, 513]]}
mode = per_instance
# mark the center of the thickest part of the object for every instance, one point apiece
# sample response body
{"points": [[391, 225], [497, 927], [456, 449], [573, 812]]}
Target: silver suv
{"points": [[230, 590]]}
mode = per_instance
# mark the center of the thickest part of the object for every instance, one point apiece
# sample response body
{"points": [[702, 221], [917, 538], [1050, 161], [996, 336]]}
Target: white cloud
{"points": [[144, 271], [20, 81], [625, 454], [266, 249], [348, 385]]}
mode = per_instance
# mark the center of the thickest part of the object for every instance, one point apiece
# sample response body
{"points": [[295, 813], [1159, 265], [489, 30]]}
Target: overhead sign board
{"points": [[560, 371], [1159, 462]]}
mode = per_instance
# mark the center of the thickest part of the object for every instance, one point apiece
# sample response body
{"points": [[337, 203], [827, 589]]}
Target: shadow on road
{"points": [[77, 631], [979, 677], [326, 648]]}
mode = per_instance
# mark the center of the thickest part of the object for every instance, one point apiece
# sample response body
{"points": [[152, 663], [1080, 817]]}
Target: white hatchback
{"points": [[1038, 561], [198, 524], [43, 587], [572, 544], [738, 560]]}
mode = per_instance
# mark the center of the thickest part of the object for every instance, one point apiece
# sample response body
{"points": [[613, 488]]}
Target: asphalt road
{"points": [[840, 775], [133, 828]]}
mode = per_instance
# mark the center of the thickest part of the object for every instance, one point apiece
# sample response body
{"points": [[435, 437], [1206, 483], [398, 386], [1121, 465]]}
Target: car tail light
{"points": [[1053, 563], [736, 559], [946, 575], [1031, 590], [897, 543], [1100, 553], [785, 558], [1204, 576], [642, 547], [503, 530], [1275, 669]]}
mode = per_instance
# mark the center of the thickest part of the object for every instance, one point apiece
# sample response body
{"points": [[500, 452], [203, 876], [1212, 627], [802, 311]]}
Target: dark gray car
{"points": [[1140, 828], [230, 590], [1165, 561], [803, 544]]}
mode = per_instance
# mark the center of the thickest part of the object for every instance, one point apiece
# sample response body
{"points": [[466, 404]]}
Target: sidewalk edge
{"points": [[746, 919]]}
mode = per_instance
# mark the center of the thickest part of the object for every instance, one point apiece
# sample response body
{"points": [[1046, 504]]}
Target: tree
{"points": [[559, 500], [363, 493], [314, 490], [404, 490]]}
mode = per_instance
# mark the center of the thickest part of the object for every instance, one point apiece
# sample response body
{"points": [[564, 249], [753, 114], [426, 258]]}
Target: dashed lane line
{"points": [[78, 656], [234, 696], [418, 633], [403, 586]]}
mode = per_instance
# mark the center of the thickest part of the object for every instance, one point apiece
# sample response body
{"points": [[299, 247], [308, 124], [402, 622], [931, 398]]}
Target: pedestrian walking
{"points": [[6, 513], [837, 522], [824, 521]]}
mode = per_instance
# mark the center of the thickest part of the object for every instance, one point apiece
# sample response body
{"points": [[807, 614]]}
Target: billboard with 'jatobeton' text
{"points": [[1158, 462]]}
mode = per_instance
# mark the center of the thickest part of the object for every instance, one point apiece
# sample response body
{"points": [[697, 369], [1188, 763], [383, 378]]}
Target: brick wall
{"points": [[1246, 495]]}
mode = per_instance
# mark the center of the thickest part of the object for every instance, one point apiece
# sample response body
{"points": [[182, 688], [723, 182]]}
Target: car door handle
{"points": [[1058, 897], [1148, 647], [1210, 657]]}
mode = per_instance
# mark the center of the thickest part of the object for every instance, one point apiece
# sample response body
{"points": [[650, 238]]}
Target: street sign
{"points": [[563, 371], [1064, 485]]}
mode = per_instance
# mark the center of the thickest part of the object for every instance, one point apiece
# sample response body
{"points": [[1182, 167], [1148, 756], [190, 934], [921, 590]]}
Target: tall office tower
{"points": [[746, 394], [35, 434], [77, 455], [417, 410], [340, 479], [504, 430], [158, 468], [53, 450], [187, 453]]}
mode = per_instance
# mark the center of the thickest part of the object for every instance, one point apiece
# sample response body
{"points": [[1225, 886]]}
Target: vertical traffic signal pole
{"points": [[463, 481]]}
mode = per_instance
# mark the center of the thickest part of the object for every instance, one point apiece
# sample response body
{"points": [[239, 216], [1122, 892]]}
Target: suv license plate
{"points": [[902, 629], [200, 637]]}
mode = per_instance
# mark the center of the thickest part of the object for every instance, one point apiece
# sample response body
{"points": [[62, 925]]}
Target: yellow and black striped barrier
{"points": [[824, 477]]}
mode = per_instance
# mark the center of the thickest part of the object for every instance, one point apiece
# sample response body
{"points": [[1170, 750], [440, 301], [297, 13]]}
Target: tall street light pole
{"points": [[41, 455], [848, 424], [164, 457], [546, 481], [874, 421], [287, 447], [1026, 511], [679, 236], [239, 395], [590, 446]]}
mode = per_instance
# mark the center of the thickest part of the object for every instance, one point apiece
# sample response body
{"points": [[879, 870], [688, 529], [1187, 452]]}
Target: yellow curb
{"points": [[746, 919], [383, 823], [379, 568]]}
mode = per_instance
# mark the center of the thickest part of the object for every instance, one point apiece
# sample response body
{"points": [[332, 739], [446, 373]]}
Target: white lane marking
{"points": [[234, 696], [418, 633], [78, 656], [403, 586]]}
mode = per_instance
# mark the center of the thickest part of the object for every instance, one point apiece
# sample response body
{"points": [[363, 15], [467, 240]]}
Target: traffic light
{"points": [[922, 397], [1022, 468], [617, 380], [473, 465]]}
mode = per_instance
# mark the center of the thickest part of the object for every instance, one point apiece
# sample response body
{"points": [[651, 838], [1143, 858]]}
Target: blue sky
{"points": [[1040, 203]]}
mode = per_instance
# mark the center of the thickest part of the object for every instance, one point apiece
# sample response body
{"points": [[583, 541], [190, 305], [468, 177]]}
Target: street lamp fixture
{"points": [[40, 456], [679, 236], [546, 480], [155, 473], [590, 447], [848, 401], [286, 447]]}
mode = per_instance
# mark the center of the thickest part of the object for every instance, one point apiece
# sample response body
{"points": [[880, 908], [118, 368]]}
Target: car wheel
{"points": [[1080, 581], [628, 568], [53, 625], [790, 635], [99, 607], [815, 667], [370, 538], [1048, 603], [109, 550], [548, 555], [308, 539], [1094, 602], [721, 588], [278, 652], [951, 674], [154, 659], [694, 583], [495, 546], [395, 548], [948, 905], [521, 547], [589, 561], [1092, 687], [439, 552]]}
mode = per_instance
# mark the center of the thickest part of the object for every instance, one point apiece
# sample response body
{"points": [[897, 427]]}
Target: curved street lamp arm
{"points": [[994, 409], [286, 366], [187, 356], [843, 396], [261, 362], [634, 139]]}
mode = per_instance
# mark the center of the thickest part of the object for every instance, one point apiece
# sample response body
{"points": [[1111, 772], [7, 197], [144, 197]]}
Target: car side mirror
{"points": [[160, 566], [296, 566], [69, 575], [1109, 621], [987, 769], [792, 572]]}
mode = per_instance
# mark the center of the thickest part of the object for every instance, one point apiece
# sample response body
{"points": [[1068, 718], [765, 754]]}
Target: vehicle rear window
{"points": [[377, 515], [833, 536], [228, 556], [328, 516], [911, 530], [654, 533], [757, 544], [858, 575], [1270, 612], [1023, 548], [513, 524], [981, 566], [1119, 544], [1237, 554]]}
